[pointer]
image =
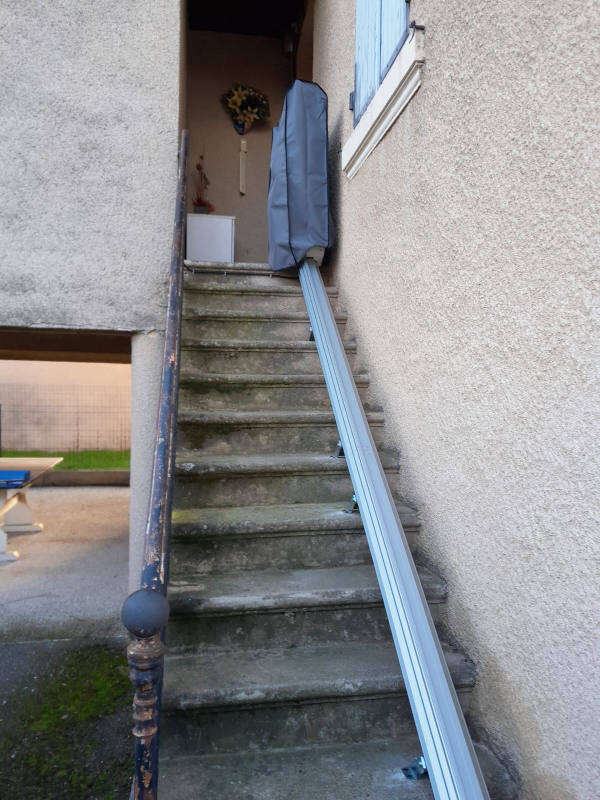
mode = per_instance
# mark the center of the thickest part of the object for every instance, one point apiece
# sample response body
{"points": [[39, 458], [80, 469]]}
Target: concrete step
{"points": [[240, 355], [364, 771], [195, 268], [241, 278], [284, 608], [271, 479], [246, 293], [303, 535], [215, 324], [212, 391], [227, 700], [253, 432]]}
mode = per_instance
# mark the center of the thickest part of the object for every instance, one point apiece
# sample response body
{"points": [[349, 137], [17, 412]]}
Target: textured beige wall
{"points": [[89, 131], [215, 61], [88, 144], [466, 256]]}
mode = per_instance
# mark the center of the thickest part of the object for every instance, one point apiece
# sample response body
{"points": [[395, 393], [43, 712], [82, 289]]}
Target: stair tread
{"points": [[362, 771], [253, 590], [278, 288], [253, 520], [227, 314], [257, 344], [259, 267], [217, 677], [194, 463], [267, 417], [189, 374]]}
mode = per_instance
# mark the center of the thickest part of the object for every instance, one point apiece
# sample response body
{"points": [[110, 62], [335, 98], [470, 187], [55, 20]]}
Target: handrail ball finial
{"points": [[145, 613]]}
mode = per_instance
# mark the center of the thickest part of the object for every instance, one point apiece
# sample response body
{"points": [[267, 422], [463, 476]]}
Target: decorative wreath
{"points": [[246, 106]]}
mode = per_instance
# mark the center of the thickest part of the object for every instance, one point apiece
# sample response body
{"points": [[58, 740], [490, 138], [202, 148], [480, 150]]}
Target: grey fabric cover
{"points": [[297, 205]]}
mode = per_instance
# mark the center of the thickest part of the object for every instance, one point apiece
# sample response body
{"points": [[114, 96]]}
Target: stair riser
{"points": [[300, 551], [288, 725], [232, 281], [213, 397], [237, 361], [245, 301], [263, 439], [277, 330], [277, 489], [291, 628]]}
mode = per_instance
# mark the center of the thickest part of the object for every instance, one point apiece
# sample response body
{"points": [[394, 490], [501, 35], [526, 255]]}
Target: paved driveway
{"points": [[71, 579]]}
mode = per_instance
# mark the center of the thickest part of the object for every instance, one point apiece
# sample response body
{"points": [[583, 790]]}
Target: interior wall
{"points": [[467, 259], [304, 52], [215, 62]]}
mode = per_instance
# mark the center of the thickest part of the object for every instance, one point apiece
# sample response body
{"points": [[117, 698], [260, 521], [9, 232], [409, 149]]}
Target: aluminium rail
{"points": [[451, 761]]}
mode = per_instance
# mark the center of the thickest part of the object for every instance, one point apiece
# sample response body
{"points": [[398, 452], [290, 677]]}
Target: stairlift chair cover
{"points": [[298, 203]]}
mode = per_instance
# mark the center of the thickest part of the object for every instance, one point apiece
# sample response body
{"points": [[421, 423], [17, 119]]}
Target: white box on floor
{"points": [[210, 238]]}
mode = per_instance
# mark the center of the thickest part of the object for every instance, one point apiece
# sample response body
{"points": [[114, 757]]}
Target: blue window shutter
{"points": [[367, 69], [394, 30]]}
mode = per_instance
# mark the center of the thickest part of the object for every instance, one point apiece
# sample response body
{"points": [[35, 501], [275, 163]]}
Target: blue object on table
{"points": [[14, 478]]}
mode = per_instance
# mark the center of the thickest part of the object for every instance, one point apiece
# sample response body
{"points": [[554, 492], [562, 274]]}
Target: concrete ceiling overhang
{"points": [[265, 18], [42, 344]]}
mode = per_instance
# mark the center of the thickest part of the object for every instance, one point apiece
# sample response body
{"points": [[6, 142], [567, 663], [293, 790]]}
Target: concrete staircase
{"points": [[281, 680]]}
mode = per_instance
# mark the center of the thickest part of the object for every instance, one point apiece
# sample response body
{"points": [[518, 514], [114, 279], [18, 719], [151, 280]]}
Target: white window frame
{"points": [[389, 101]]}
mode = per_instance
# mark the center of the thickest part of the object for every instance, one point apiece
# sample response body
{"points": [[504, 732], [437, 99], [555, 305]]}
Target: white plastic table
{"points": [[16, 516]]}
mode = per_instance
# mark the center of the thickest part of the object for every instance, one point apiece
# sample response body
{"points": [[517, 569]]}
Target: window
{"points": [[381, 30], [388, 72]]}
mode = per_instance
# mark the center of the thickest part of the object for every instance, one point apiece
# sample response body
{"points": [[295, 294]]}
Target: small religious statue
{"points": [[246, 106]]}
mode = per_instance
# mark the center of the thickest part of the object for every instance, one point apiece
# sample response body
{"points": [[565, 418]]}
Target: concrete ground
{"points": [[71, 579], [65, 696]]}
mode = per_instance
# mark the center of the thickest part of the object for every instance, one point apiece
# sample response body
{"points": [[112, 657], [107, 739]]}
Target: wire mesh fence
{"points": [[64, 418]]}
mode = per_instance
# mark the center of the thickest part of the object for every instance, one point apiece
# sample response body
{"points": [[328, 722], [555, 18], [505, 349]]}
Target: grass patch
{"points": [[84, 459], [70, 737]]}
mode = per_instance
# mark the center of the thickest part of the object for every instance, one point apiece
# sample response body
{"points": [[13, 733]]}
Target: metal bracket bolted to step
{"points": [[416, 769], [311, 335], [339, 450], [354, 506]]}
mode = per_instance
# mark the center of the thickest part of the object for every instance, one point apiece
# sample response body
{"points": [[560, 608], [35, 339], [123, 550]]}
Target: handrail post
{"points": [[145, 614], [146, 611], [449, 754]]}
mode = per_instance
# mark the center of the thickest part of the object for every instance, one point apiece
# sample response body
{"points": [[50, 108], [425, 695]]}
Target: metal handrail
{"points": [[449, 755], [146, 611]]}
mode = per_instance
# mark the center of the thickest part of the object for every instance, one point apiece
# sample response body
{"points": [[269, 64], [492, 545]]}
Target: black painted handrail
{"points": [[146, 611]]}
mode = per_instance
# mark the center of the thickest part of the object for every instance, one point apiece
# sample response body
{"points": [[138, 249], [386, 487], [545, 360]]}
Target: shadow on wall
{"points": [[527, 726], [334, 176]]}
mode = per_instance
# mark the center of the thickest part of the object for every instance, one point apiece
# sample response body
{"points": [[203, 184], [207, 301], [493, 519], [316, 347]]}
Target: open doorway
{"points": [[79, 412], [231, 45], [65, 410]]}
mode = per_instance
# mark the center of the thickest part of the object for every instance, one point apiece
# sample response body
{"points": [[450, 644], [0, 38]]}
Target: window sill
{"points": [[397, 88]]}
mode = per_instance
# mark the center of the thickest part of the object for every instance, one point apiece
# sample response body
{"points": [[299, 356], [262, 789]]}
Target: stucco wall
{"points": [[88, 143], [215, 62], [89, 131], [465, 261]]}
